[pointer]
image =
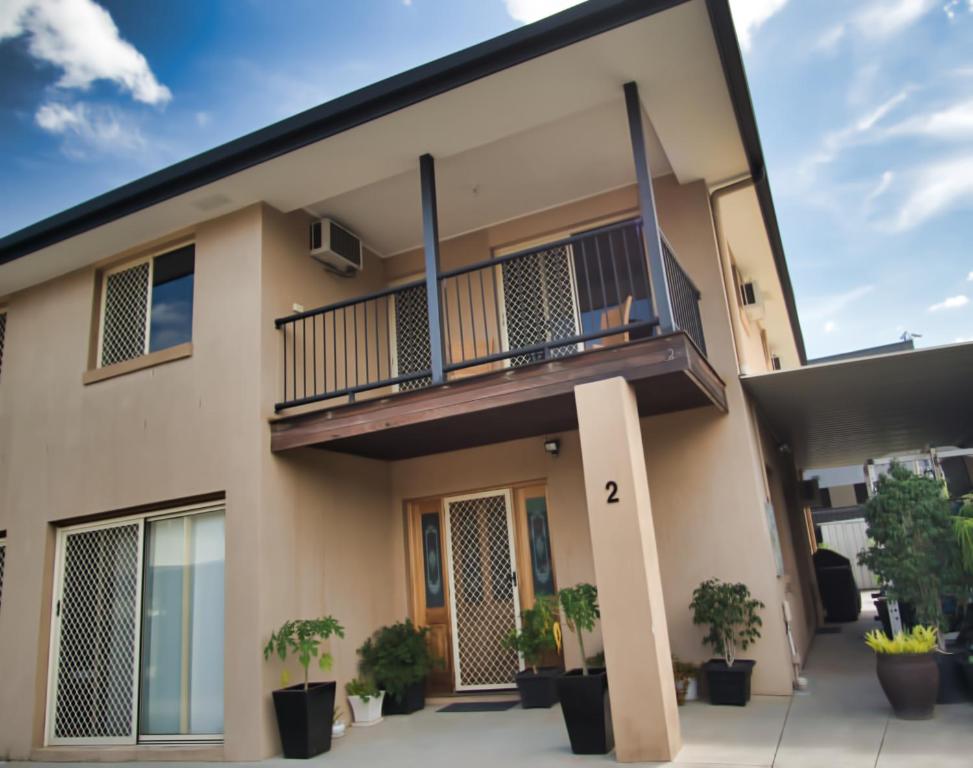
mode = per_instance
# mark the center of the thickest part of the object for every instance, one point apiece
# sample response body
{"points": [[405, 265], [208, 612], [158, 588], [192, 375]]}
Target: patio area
{"points": [[841, 721]]}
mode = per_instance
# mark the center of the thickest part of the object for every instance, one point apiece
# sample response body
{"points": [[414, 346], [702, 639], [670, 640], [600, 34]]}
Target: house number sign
{"points": [[612, 487]]}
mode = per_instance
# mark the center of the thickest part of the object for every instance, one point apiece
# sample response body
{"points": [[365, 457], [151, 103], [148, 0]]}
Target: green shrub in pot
{"points": [[397, 657], [730, 613], [536, 637], [304, 711]]}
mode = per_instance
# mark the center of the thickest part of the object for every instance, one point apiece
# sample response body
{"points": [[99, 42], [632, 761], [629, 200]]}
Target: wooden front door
{"points": [[476, 560]]}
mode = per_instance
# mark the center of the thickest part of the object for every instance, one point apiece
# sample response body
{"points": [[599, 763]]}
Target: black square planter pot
{"points": [[728, 685], [586, 710], [412, 700], [538, 690], [952, 687], [304, 718]]}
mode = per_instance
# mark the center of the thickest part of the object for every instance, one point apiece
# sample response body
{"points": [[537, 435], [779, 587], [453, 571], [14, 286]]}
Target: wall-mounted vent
{"points": [[775, 363], [335, 246]]}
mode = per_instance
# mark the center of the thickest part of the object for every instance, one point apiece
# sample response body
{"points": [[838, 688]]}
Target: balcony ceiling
{"points": [[672, 56]]}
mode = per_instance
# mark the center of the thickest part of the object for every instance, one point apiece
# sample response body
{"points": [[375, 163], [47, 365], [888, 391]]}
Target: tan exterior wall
{"points": [[843, 496], [311, 532]]}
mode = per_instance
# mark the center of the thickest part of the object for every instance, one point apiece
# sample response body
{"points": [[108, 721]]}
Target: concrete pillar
{"points": [[633, 618]]}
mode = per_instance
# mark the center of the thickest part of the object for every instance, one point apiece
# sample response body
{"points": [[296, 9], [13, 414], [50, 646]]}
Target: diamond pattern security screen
{"points": [[98, 625], [126, 314], [484, 594], [412, 336], [539, 303]]}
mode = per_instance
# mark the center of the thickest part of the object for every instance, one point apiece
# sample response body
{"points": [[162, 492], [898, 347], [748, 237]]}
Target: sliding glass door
{"points": [[137, 625], [182, 627]]}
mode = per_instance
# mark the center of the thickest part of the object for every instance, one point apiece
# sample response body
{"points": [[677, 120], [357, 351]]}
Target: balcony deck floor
{"points": [[667, 372]]}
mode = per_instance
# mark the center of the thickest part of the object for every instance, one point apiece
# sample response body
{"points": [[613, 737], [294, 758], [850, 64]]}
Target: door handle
{"points": [[513, 578]]}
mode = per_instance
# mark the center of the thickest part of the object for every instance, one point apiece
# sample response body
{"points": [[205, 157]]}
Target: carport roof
{"points": [[845, 412]]}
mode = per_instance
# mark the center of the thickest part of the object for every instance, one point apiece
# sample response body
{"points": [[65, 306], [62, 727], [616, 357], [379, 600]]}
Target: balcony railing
{"points": [[584, 292]]}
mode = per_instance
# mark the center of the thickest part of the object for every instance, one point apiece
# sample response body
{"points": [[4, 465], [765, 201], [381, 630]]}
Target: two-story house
{"points": [[431, 349]]}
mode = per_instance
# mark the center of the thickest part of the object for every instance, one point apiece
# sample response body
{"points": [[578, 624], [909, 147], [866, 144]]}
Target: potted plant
{"points": [[537, 685], [685, 675], [907, 670], [584, 692], [916, 550], [337, 724], [731, 615], [304, 711], [398, 658], [366, 702]]}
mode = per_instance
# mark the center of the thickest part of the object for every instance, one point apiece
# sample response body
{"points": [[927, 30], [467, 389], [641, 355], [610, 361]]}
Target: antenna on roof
{"points": [[909, 336]]}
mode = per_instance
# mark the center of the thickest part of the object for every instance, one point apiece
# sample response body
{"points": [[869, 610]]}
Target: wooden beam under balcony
{"points": [[668, 373]]}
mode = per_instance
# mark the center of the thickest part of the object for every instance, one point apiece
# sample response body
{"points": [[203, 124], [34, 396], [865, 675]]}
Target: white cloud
{"points": [[953, 302], [527, 11], [823, 308], [85, 126], [953, 122], [937, 188], [750, 15], [969, 277], [857, 132], [882, 187], [830, 327], [885, 19], [80, 38]]}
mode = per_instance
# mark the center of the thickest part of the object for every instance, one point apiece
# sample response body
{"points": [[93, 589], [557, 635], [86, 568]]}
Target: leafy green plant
{"points": [[303, 637], [913, 545], [919, 640], [731, 615], [580, 606], [537, 633], [363, 689], [397, 656], [683, 670]]}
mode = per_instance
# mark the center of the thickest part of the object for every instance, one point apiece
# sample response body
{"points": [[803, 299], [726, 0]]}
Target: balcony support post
{"points": [[430, 235], [650, 224]]}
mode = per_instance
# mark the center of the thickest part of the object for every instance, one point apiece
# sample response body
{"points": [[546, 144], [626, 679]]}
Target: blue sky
{"points": [[865, 111]]}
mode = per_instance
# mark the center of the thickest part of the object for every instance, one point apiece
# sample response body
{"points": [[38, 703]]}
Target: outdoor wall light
{"points": [[553, 446]]}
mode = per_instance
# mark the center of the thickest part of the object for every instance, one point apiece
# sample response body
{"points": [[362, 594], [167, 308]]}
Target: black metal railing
{"points": [[584, 292], [684, 297]]}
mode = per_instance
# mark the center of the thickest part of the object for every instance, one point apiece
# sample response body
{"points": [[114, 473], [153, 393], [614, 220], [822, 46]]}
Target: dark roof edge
{"points": [[736, 81], [333, 117]]}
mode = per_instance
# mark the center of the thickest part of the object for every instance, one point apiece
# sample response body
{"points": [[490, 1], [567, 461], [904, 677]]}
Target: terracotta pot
{"points": [[910, 682]]}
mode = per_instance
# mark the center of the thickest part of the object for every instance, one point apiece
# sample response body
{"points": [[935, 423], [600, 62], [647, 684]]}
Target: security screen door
{"points": [[96, 634], [484, 600]]}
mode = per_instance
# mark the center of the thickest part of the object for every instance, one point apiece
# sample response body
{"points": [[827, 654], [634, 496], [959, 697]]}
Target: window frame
{"points": [[142, 519], [105, 273]]}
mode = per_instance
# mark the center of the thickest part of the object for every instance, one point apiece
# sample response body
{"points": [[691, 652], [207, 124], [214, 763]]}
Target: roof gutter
{"points": [[364, 105], [736, 82]]}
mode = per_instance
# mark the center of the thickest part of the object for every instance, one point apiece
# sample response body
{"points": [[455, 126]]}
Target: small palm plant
{"points": [[303, 637], [731, 614], [537, 633], [580, 606]]}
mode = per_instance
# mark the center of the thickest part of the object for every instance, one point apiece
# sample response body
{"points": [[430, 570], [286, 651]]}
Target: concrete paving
{"points": [[842, 720]]}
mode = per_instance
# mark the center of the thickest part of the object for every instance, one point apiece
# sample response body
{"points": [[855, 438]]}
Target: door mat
{"points": [[829, 631], [479, 706]]}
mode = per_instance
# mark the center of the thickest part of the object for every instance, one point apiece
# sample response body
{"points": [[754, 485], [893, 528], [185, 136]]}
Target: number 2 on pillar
{"points": [[612, 487]]}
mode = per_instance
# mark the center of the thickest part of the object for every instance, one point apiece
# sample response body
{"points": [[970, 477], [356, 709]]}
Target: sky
{"points": [[865, 112]]}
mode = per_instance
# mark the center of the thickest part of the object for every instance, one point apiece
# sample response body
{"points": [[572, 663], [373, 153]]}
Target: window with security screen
{"points": [[147, 306]]}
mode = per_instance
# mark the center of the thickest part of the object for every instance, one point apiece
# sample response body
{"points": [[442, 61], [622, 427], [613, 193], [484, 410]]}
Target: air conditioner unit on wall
{"points": [[335, 247], [750, 299]]}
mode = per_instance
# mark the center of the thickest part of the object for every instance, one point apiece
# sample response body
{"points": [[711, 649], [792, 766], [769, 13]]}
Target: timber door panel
{"points": [[430, 587], [484, 600]]}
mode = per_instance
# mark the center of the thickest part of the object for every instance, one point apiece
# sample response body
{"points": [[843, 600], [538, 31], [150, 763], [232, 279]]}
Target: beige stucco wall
{"points": [[164, 433], [312, 532]]}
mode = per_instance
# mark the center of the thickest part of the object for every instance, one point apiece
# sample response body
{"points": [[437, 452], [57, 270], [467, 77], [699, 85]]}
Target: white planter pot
{"points": [[337, 730], [367, 712], [692, 690]]}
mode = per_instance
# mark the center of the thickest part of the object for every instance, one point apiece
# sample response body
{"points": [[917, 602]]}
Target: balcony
{"points": [[518, 332]]}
